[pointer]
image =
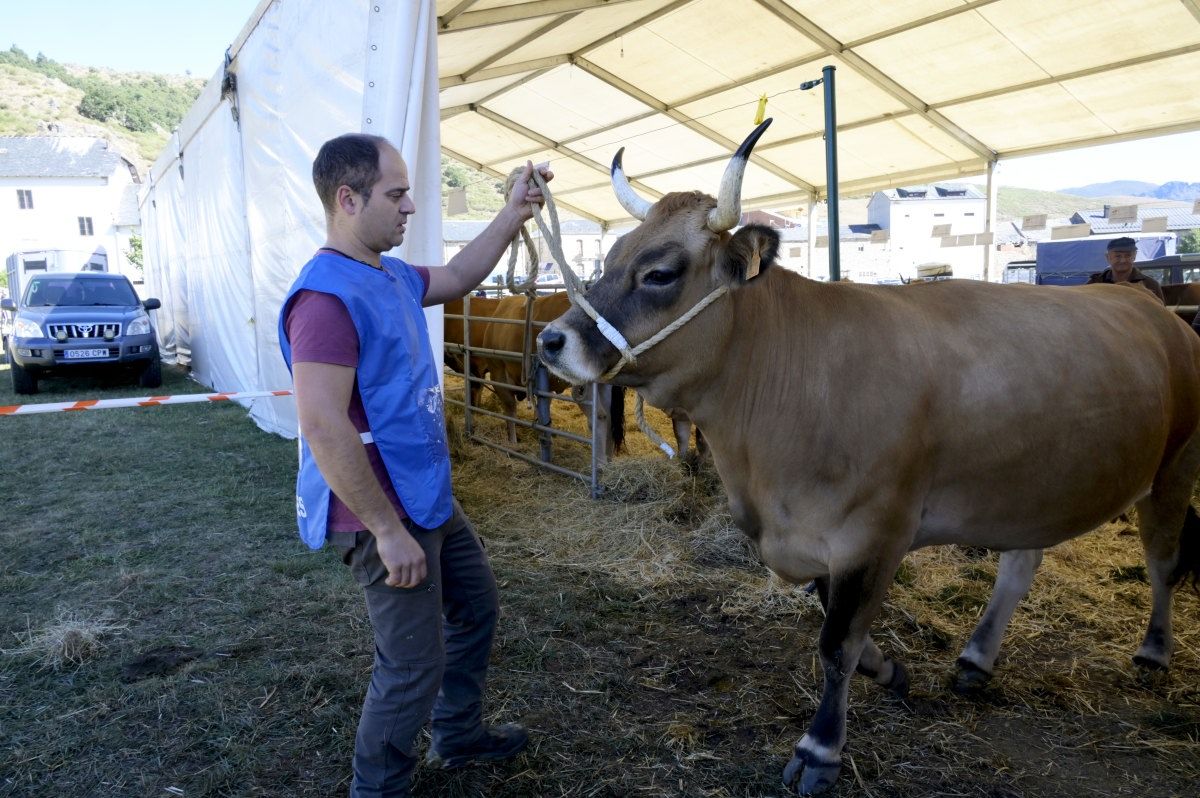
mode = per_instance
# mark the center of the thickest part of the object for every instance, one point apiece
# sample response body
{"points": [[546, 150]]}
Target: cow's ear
{"points": [[749, 252]]}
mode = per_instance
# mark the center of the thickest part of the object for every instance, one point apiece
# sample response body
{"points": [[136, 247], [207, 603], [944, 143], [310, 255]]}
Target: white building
{"points": [[932, 224], [69, 194]]}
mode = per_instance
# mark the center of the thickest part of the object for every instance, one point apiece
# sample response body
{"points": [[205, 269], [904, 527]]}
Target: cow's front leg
{"points": [[854, 595], [885, 671]]}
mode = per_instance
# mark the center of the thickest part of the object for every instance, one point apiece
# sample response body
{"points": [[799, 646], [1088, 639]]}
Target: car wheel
{"points": [[151, 376], [23, 380]]}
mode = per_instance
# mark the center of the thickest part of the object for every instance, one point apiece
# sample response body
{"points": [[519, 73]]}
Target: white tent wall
{"points": [[220, 289], [305, 72], [153, 244], [166, 268]]}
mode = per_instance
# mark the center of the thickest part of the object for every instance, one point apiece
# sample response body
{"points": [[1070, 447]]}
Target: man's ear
{"points": [[749, 252], [347, 200]]}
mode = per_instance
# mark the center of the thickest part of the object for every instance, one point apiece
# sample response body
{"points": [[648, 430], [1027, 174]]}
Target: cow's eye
{"points": [[660, 276]]}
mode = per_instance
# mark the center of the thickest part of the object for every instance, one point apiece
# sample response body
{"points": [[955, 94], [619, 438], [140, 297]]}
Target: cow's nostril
{"points": [[551, 341]]}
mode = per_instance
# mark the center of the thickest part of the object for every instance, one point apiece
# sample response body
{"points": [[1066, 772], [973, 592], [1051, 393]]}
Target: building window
{"points": [[25, 199], [85, 225]]}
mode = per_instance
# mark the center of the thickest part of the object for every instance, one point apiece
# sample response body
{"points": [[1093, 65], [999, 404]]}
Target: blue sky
{"points": [[170, 36], [175, 36]]}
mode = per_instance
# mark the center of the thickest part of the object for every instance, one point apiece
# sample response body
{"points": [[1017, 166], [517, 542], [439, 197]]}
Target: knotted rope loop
{"points": [[528, 287]]}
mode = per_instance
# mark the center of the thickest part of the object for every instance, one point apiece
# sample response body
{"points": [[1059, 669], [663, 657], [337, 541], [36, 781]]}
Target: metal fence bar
{"points": [[492, 320], [533, 460], [541, 379], [468, 420], [534, 425], [583, 404], [594, 482]]}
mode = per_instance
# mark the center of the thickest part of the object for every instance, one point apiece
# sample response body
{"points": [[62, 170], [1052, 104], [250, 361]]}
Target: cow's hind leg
{"points": [[854, 597], [681, 425], [508, 406], [581, 395], [1170, 532], [1013, 578]]}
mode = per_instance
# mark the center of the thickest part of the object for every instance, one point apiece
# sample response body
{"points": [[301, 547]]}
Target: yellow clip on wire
{"points": [[762, 110]]}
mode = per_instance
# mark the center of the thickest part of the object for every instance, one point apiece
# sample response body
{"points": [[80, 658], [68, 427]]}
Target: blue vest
{"points": [[397, 380]]}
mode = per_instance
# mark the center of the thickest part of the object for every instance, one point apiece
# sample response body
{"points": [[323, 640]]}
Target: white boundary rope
{"points": [[141, 401]]}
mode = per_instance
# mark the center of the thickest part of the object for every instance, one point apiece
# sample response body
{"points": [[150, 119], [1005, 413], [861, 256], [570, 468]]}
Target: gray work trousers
{"points": [[432, 644]]}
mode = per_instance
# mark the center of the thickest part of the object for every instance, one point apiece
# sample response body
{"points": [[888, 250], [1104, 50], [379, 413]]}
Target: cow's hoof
{"points": [[807, 776], [898, 686], [1151, 663], [971, 678]]}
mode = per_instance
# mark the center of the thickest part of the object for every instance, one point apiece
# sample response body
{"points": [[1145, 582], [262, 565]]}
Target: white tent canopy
{"points": [[926, 89]]}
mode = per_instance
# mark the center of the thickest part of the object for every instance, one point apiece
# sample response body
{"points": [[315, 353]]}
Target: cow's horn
{"points": [[729, 200], [629, 199]]}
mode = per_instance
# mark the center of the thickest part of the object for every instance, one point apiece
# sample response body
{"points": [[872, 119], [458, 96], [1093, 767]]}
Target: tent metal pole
{"points": [[831, 176]]}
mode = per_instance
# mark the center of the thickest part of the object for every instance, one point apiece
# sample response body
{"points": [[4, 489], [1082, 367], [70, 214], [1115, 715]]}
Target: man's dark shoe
{"points": [[497, 743]]}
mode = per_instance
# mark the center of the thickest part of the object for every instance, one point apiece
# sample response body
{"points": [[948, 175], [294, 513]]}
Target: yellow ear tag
{"points": [[754, 266], [762, 110]]}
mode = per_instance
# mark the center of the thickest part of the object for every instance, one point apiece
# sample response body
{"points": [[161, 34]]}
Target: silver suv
{"points": [[67, 320]]}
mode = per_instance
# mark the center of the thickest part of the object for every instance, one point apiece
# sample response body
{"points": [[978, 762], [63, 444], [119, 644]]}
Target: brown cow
{"points": [[511, 338], [452, 333], [853, 423]]}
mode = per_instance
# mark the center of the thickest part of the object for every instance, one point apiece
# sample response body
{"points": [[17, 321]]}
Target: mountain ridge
{"points": [[1171, 190]]}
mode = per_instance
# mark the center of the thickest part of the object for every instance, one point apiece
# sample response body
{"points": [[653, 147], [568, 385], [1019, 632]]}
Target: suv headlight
{"points": [[139, 326], [24, 328]]}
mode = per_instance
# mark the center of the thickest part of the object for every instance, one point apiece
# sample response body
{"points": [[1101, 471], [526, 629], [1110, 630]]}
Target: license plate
{"points": [[85, 354]]}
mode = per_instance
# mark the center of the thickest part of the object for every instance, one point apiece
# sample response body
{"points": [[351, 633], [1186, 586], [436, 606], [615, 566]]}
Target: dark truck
{"points": [[69, 320]]}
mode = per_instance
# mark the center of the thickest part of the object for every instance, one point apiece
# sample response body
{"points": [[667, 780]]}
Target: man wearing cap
{"points": [[1121, 254]]}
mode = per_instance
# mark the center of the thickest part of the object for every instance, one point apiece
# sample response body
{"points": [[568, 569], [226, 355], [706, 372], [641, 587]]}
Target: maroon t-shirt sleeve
{"points": [[320, 330], [423, 273]]}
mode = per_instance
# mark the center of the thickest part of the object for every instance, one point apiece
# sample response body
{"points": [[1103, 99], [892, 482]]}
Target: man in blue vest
{"points": [[374, 478]]}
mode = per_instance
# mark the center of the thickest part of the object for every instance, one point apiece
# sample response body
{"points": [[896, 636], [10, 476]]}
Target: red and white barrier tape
{"points": [[141, 401]]}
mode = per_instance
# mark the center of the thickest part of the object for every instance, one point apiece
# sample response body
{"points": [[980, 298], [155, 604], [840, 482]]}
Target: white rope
{"points": [[639, 413]]}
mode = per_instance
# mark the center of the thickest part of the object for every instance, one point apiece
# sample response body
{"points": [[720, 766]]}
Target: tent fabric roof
{"points": [[926, 89]]}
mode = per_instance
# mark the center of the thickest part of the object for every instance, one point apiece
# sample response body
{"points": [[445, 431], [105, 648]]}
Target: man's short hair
{"points": [[350, 160], [1122, 244]]}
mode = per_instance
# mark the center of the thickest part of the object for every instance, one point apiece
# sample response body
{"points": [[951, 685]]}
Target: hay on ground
{"points": [[69, 640]]}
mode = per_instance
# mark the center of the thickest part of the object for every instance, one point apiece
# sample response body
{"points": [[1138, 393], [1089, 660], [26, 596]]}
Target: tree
{"points": [[1188, 242], [134, 253]]}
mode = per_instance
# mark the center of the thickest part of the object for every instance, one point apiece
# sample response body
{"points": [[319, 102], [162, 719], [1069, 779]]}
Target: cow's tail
{"points": [[1187, 569], [616, 418]]}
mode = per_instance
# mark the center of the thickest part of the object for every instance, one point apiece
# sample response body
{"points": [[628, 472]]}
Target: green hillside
{"points": [[136, 112], [1015, 203]]}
